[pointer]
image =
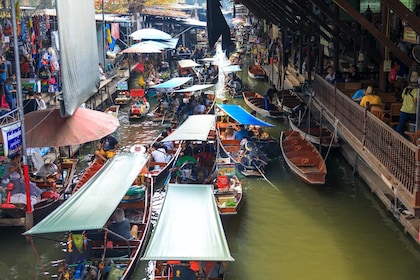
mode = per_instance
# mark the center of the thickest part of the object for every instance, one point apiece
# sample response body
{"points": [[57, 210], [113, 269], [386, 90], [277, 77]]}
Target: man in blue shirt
{"points": [[240, 133], [3, 74], [358, 95], [10, 93]]}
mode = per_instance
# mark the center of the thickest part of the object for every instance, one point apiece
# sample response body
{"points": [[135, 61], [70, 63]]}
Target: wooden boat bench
{"points": [[303, 161]]}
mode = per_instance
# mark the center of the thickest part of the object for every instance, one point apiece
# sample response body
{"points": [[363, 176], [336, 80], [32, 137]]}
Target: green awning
{"points": [[196, 127], [189, 227], [92, 205]]}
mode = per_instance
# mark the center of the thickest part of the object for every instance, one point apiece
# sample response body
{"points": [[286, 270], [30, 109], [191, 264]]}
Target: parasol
{"points": [[47, 128], [150, 34], [142, 48]]}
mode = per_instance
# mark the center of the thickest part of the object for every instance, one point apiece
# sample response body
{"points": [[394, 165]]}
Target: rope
{"points": [[265, 178], [332, 139]]}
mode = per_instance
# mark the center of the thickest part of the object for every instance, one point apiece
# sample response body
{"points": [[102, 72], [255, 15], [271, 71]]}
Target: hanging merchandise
{"points": [[53, 60], [110, 40]]}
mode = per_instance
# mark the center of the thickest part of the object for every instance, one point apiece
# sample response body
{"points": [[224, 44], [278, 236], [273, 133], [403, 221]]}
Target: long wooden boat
{"points": [[94, 247], [91, 170], [113, 110], [255, 101], [315, 133], [54, 187], [138, 110], [227, 188], [177, 241], [256, 71], [166, 108], [123, 98], [304, 160], [247, 161], [288, 100], [198, 156]]}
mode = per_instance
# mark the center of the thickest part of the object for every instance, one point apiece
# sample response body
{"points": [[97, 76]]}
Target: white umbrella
{"points": [[142, 48], [150, 34]]}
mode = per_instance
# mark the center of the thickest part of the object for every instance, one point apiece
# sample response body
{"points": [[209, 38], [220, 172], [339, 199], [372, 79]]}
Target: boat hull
{"points": [[303, 159], [315, 134], [255, 101], [256, 71]]}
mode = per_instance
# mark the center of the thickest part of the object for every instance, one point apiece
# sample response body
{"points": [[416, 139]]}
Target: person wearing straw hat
{"points": [[409, 103]]}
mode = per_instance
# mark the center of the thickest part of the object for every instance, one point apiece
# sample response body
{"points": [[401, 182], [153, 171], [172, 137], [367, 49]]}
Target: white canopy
{"points": [[186, 63], [196, 127]]}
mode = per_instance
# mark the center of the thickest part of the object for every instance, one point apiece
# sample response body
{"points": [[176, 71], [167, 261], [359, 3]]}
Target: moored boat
{"points": [[256, 71], [316, 134], [54, 186], [287, 100], [256, 102], [303, 159], [123, 98], [178, 241], [94, 246], [113, 110]]}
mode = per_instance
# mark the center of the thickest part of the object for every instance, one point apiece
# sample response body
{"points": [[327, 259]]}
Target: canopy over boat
{"points": [[232, 68], [194, 88], [91, 206], [186, 63], [189, 227], [241, 115], [173, 83], [196, 127]]}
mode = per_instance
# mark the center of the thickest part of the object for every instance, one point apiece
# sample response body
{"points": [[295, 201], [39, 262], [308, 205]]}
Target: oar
{"points": [[265, 178]]}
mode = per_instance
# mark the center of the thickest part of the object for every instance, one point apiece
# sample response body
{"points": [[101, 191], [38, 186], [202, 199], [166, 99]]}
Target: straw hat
{"points": [[369, 90]]}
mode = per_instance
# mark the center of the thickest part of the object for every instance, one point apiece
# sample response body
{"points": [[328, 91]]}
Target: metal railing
{"points": [[376, 142]]}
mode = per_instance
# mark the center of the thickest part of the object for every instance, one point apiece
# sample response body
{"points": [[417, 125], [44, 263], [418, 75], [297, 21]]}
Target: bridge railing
{"points": [[388, 153]]}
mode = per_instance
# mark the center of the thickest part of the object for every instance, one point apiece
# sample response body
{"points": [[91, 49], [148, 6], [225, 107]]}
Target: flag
{"points": [[216, 25]]}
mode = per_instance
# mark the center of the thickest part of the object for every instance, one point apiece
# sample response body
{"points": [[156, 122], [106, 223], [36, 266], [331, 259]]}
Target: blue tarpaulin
{"points": [[241, 116], [173, 83]]}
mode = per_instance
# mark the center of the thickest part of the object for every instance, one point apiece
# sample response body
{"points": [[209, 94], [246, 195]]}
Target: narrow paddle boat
{"points": [[256, 102], [303, 159], [256, 71], [95, 247], [188, 239]]}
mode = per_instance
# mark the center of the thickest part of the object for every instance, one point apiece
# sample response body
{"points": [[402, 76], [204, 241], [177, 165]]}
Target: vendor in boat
{"points": [[107, 147], [13, 173], [268, 98], [120, 225], [158, 153], [240, 132]]}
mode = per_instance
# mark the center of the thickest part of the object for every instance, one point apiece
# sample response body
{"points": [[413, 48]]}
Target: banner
{"points": [[12, 137]]}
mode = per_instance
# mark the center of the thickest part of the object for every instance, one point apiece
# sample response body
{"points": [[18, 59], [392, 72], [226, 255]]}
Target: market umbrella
{"points": [[150, 34], [46, 128], [142, 47]]}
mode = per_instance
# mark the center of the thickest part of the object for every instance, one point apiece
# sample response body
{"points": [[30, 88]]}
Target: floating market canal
{"points": [[285, 229]]}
